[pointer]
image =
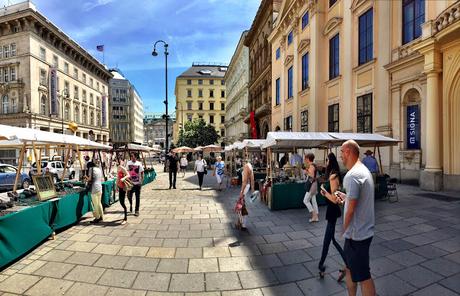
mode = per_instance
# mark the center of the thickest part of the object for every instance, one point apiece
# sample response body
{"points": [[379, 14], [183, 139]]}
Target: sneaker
{"points": [[136, 214], [124, 222]]}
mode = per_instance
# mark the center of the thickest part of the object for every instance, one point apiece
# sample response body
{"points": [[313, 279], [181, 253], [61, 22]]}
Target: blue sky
{"points": [[196, 30]]}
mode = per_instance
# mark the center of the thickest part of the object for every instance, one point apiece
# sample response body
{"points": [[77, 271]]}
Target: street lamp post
{"points": [[154, 53]]}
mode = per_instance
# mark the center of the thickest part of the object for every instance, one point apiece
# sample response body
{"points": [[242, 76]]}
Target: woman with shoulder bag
{"points": [[124, 185], [200, 169], [333, 212]]}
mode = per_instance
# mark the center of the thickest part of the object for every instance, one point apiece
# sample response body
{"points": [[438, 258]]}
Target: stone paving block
{"points": [[150, 242], [124, 292], [190, 234], [274, 238], [205, 226], [106, 249], [54, 269], [290, 273], [382, 266], [326, 286], [420, 239], [265, 261], [244, 251], [158, 227], [126, 241], [157, 252], [434, 289], [175, 242], [49, 286], [260, 230], [452, 283], [390, 235], [173, 265], [189, 253], [216, 252], [133, 251], [83, 289], [122, 232], [142, 264], [63, 245], [222, 281], [272, 248], [109, 261], [167, 234], [187, 282], [101, 239], [442, 266], [418, 276], [200, 242], [377, 251], [32, 267], [455, 257], [118, 278], [391, 285], [257, 278], [81, 237], [297, 244], [81, 247], [398, 245], [216, 233], [202, 294], [152, 281], [18, 283], [144, 233], [86, 274], [203, 265], [254, 292], [287, 289], [83, 258], [56, 255], [291, 257], [429, 251], [450, 245], [406, 258], [234, 264]]}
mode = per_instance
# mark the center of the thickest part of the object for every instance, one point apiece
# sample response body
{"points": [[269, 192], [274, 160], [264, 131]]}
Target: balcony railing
{"points": [[447, 17]]}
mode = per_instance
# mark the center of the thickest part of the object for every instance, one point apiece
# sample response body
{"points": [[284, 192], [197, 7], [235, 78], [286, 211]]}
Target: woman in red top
{"points": [[122, 177]]}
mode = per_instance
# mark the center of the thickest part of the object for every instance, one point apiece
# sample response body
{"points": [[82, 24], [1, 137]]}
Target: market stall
{"points": [[144, 153], [34, 214]]}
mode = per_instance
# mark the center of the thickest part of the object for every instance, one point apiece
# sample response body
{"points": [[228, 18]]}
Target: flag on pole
{"points": [[100, 48]]}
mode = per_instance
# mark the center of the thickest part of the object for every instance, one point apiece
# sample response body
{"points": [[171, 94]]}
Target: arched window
{"points": [[67, 112], [91, 118], [43, 105], [76, 116], [14, 105], [85, 117], [5, 103]]}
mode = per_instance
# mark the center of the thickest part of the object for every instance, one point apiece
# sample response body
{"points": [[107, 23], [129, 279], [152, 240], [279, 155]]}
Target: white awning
{"points": [[286, 140], [365, 140], [142, 148], [253, 144]]}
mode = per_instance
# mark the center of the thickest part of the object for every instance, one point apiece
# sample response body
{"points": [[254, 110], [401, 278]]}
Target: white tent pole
{"points": [[18, 173]]}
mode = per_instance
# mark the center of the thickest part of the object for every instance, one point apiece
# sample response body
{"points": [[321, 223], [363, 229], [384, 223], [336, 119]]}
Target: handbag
{"points": [[128, 184], [89, 184], [204, 166]]}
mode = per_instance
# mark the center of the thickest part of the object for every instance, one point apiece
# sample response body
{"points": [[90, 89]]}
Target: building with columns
{"points": [[260, 67], [155, 128], [126, 111], [47, 80], [388, 67], [237, 78]]}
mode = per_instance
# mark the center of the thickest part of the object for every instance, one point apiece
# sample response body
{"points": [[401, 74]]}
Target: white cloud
{"points": [[90, 5]]}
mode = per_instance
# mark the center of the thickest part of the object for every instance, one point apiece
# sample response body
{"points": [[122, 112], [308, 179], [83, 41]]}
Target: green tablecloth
{"points": [[290, 196], [109, 197]]}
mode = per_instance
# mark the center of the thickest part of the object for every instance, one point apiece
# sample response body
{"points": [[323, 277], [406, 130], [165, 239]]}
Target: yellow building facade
{"points": [[389, 67], [200, 93]]}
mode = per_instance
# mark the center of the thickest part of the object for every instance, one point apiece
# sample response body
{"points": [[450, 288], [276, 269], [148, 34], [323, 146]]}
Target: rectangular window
{"points": [[211, 118], [6, 76], [200, 81], [222, 106], [222, 132], [75, 92], [211, 106], [75, 73], [200, 105], [13, 73], [200, 93], [42, 53], [305, 20], [91, 82], [290, 89], [83, 78], [222, 82], [97, 85], [222, 93], [189, 82], [83, 95], [91, 99], [189, 93], [189, 105], [332, 2], [43, 77], [278, 53], [66, 87], [334, 57], [66, 68], [364, 113], [365, 37], [1, 52], [189, 117], [288, 124], [333, 118], [222, 119], [13, 49], [413, 18], [277, 94], [6, 51], [305, 71], [55, 61], [211, 81], [304, 121], [211, 93], [290, 37]]}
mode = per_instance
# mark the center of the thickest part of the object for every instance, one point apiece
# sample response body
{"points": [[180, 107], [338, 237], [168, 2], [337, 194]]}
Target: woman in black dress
{"points": [[332, 213]]}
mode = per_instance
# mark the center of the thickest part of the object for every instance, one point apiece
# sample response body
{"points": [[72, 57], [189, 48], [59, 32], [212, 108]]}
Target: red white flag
{"points": [[253, 124]]}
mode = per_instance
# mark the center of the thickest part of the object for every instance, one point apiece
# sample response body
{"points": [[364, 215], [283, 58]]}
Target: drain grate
{"points": [[437, 196]]}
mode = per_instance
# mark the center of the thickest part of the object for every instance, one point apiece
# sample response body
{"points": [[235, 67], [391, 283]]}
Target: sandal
{"points": [[342, 274]]}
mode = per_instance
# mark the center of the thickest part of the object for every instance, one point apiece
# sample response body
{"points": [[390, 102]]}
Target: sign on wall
{"points": [[53, 92], [413, 127], [104, 110]]}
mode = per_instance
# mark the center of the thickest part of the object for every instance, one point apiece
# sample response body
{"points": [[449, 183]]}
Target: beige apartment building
{"points": [[46, 79], [236, 80], [389, 67], [200, 93]]}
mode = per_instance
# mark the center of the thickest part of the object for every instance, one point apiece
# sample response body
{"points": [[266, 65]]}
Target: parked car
{"points": [[55, 168], [8, 176]]}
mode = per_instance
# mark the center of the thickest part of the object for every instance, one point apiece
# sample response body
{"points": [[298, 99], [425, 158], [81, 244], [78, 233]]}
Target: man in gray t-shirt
{"points": [[358, 220]]}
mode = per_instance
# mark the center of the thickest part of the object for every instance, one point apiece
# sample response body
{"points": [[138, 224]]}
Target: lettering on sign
{"points": [[413, 127]]}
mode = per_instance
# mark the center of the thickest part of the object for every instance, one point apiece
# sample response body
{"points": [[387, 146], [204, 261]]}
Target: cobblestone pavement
{"points": [[184, 243]]}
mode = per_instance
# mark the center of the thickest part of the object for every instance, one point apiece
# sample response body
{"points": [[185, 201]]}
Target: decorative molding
{"points": [[358, 3], [304, 43], [288, 59], [331, 25]]}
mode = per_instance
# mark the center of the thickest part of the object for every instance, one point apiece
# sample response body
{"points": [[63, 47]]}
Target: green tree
{"points": [[197, 133]]}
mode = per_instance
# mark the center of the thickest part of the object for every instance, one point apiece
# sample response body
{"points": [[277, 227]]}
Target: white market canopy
{"points": [[365, 140], [16, 137], [237, 145], [289, 140], [254, 144], [142, 148], [228, 148]]}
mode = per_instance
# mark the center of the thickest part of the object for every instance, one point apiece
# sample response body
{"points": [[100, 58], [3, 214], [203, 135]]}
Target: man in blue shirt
{"points": [[370, 162]]}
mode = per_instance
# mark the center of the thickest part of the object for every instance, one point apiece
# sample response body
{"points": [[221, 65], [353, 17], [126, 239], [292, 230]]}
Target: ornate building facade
{"points": [[260, 67], [236, 79], [155, 129], [389, 67], [46, 79]]}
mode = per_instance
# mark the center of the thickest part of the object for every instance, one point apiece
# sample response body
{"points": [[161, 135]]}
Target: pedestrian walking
{"points": [[333, 212], [359, 219], [312, 189], [124, 185], [94, 178], [246, 185], [219, 170], [136, 173], [200, 169], [173, 168], [183, 164]]}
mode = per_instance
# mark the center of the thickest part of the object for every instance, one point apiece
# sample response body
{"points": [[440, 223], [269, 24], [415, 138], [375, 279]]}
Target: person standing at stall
{"points": [[359, 220], [94, 178], [136, 173], [173, 168], [333, 212], [310, 196], [123, 184], [183, 164], [200, 169], [219, 169]]}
